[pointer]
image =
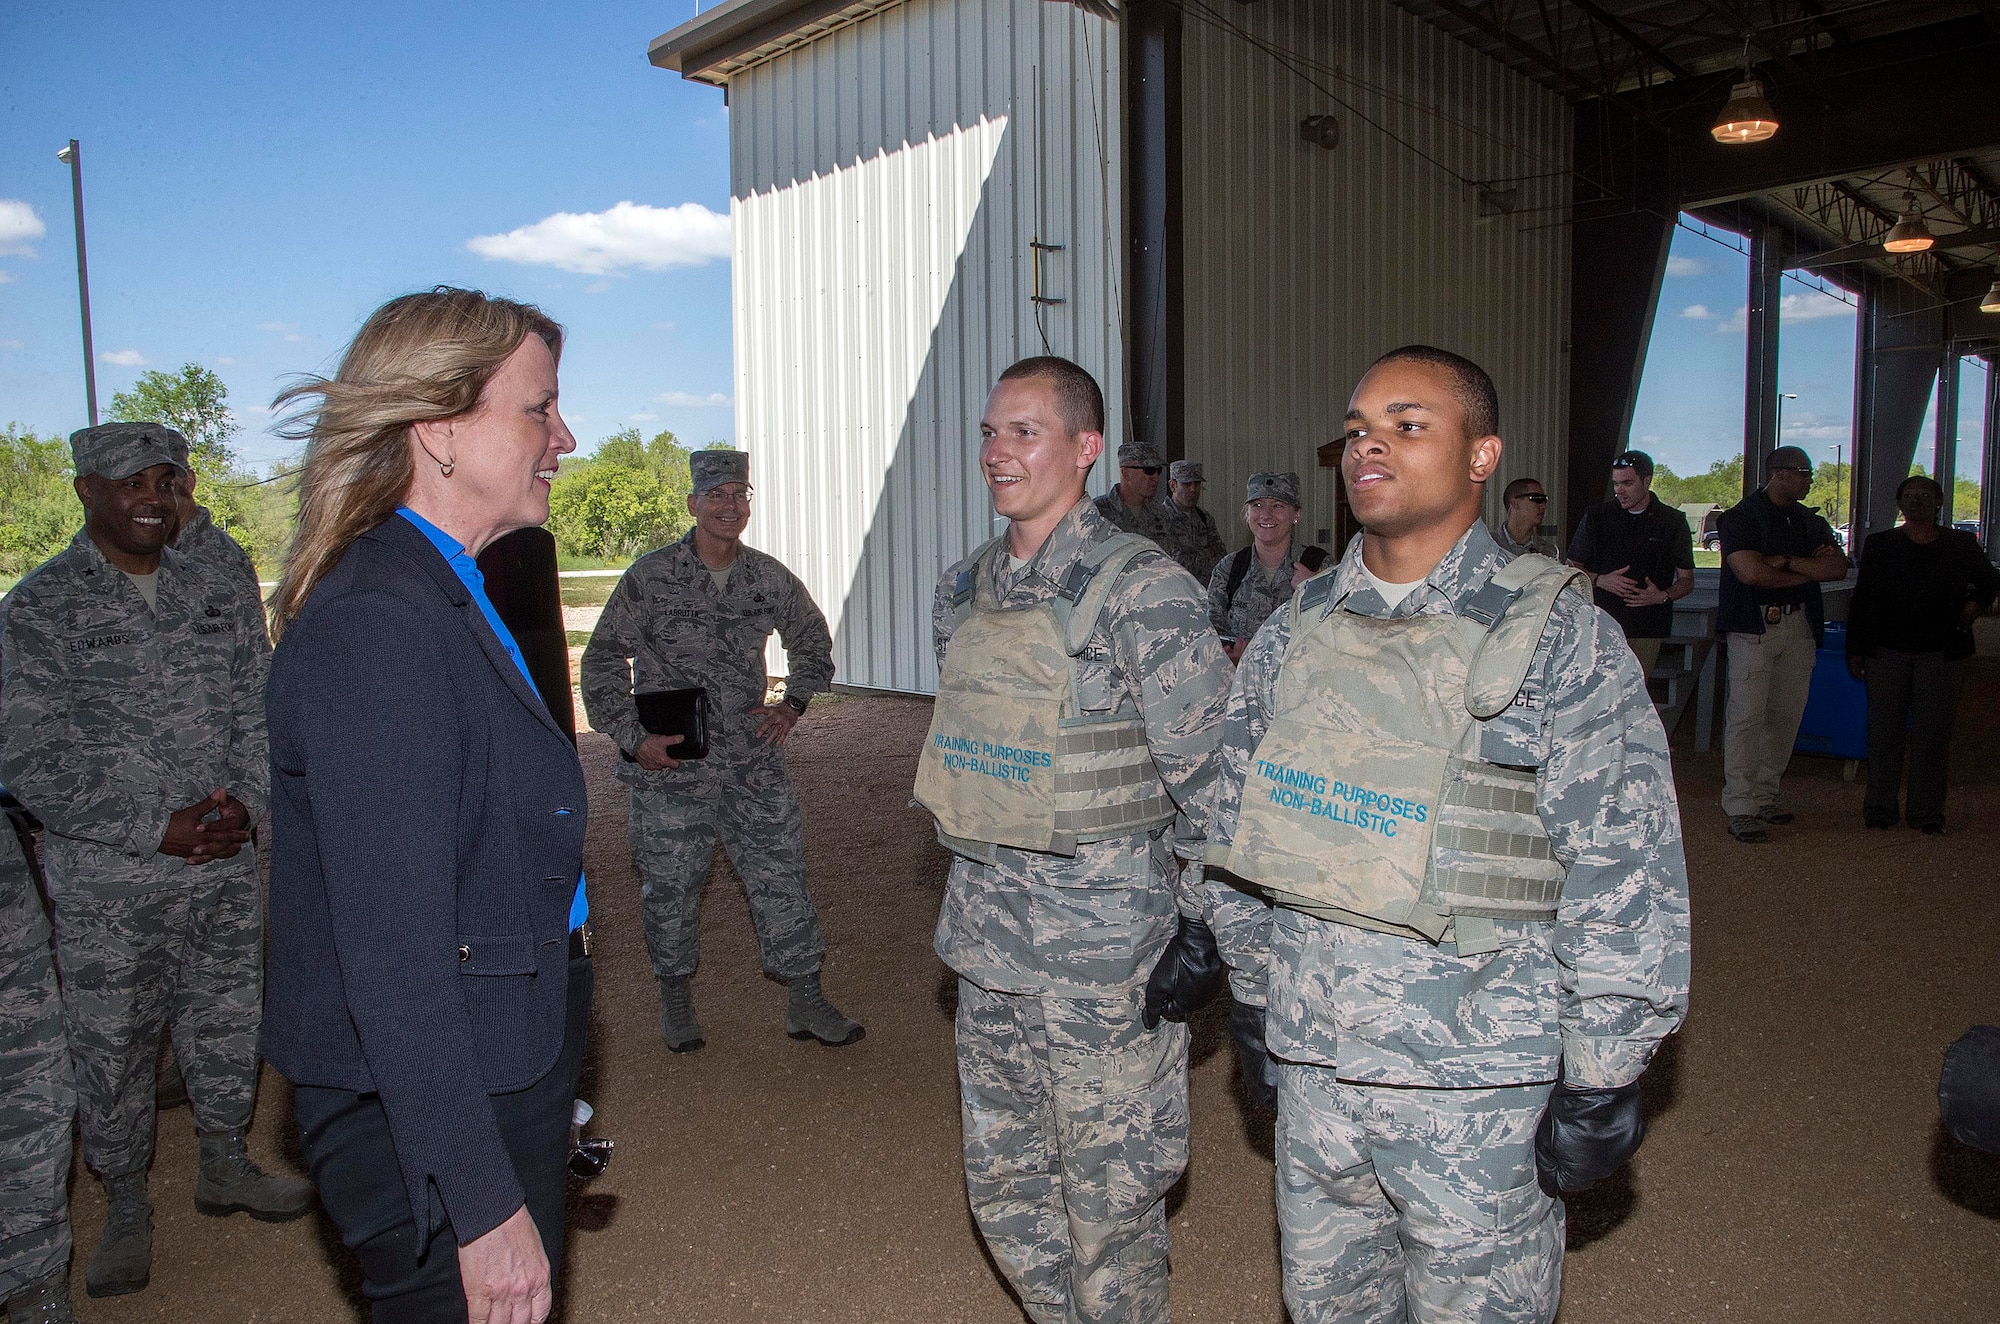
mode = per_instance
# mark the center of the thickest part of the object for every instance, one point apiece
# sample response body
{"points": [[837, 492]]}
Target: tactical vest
{"points": [[1012, 758], [1367, 801]]}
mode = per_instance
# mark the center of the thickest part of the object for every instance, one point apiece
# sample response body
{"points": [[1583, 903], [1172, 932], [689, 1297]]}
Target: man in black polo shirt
{"points": [[1639, 555], [1775, 555]]}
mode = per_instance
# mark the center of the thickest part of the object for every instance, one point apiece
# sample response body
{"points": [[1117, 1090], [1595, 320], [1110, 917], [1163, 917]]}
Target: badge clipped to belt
{"points": [[1773, 614]]}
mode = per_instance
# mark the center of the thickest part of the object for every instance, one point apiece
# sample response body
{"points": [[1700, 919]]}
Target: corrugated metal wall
{"points": [[1303, 264], [886, 183]]}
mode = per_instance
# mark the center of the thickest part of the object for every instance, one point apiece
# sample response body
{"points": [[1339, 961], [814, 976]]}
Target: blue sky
{"points": [[258, 177], [1690, 408]]}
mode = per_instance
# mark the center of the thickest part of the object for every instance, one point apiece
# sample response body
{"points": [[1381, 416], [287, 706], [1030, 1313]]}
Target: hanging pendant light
{"points": [[1909, 234], [1991, 303], [1748, 117]]}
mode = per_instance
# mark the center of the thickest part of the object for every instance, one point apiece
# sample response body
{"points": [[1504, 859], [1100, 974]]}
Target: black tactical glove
{"points": [[1586, 1135], [1969, 1089], [1260, 1069], [1188, 976]]}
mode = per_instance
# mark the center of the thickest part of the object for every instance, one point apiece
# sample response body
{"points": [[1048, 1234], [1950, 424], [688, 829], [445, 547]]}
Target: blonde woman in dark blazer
{"points": [[429, 972]]}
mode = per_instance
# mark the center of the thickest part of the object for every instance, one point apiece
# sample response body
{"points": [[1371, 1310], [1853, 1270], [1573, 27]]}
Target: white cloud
{"points": [[1696, 311], [225, 362], [628, 236], [1807, 306], [19, 226], [277, 326], [663, 326], [689, 400], [124, 358], [1685, 266], [1811, 306], [597, 287], [8, 278], [644, 416], [12, 344]]}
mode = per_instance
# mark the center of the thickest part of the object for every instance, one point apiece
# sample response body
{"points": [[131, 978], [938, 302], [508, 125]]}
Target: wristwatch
{"points": [[797, 703]]}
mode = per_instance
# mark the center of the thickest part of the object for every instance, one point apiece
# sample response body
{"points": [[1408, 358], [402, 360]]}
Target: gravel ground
{"points": [[1795, 1171]]}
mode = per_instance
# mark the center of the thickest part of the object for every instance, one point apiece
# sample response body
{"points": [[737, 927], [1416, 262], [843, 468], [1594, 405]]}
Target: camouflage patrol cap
{"points": [[1186, 471], [1282, 487], [1140, 455], [118, 450], [713, 468]]}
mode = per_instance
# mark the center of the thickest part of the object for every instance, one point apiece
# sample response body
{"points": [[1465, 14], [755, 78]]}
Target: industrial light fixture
{"points": [[1320, 131], [1747, 117], [1991, 303], [1909, 234]]}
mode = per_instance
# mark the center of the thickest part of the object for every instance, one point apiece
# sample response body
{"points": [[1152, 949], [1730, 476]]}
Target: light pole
{"points": [[1782, 397], [1837, 507], [72, 155]]}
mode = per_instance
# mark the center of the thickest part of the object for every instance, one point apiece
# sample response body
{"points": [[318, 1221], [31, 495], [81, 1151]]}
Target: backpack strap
{"points": [[1514, 607], [1087, 586], [965, 579], [1239, 569]]}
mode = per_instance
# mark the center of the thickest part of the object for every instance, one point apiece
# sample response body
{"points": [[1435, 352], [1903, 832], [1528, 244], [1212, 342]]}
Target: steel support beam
{"points": [[1989, 469], [1760, 354], [1611, 309], [1945, 467], [1151, 31], [1880, 103], [1897, 340]]}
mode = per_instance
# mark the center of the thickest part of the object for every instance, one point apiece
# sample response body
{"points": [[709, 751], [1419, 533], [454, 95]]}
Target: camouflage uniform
{"points": [[114, 715], [1259, 595], [1075, 1115], [666, 627], [210, 547], [1413, 1076], [1193, 540], [37, 1094], [1146, 519]]}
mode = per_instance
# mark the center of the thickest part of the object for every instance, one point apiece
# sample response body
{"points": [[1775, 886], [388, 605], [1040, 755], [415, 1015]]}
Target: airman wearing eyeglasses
{"points": [[1527, 507], [700, 612]]}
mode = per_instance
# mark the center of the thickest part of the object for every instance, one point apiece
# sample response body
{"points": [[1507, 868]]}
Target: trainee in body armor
{"points": [[1443, 767]]}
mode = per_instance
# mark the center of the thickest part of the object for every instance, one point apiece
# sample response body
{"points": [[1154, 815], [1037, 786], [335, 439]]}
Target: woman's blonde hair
{"points": [[419, 358]]}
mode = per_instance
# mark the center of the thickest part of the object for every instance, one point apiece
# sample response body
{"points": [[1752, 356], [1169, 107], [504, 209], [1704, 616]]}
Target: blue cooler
{"points": [[1836, 720]]}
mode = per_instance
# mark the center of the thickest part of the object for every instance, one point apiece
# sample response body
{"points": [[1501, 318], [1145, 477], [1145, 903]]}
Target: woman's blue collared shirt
{"points": [[467, 569]]}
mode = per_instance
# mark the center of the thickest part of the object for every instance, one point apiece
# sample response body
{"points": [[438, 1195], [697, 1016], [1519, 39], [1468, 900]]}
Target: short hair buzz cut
{"points": [[1079, 399], [1518, 486], [1470, 385]]}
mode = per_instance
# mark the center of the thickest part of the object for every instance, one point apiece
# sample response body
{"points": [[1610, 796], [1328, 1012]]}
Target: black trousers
{"points": [[345, 1138], [1917, 693]]}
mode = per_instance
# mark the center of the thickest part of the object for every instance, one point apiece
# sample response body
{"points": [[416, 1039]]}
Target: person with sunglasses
{"points": [[1639, 554], [1132, 505], [1776, 552], [1521, 531]]}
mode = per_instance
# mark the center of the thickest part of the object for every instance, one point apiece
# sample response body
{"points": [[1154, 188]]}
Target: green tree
{"points": [[39, 511], [194, 403], [627, 498], [1721, 484], [603, 509]]}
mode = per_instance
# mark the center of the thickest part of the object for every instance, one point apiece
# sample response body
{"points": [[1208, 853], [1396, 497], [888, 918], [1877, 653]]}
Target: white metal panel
{"points": [[887, 179], [1303, 264]]}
